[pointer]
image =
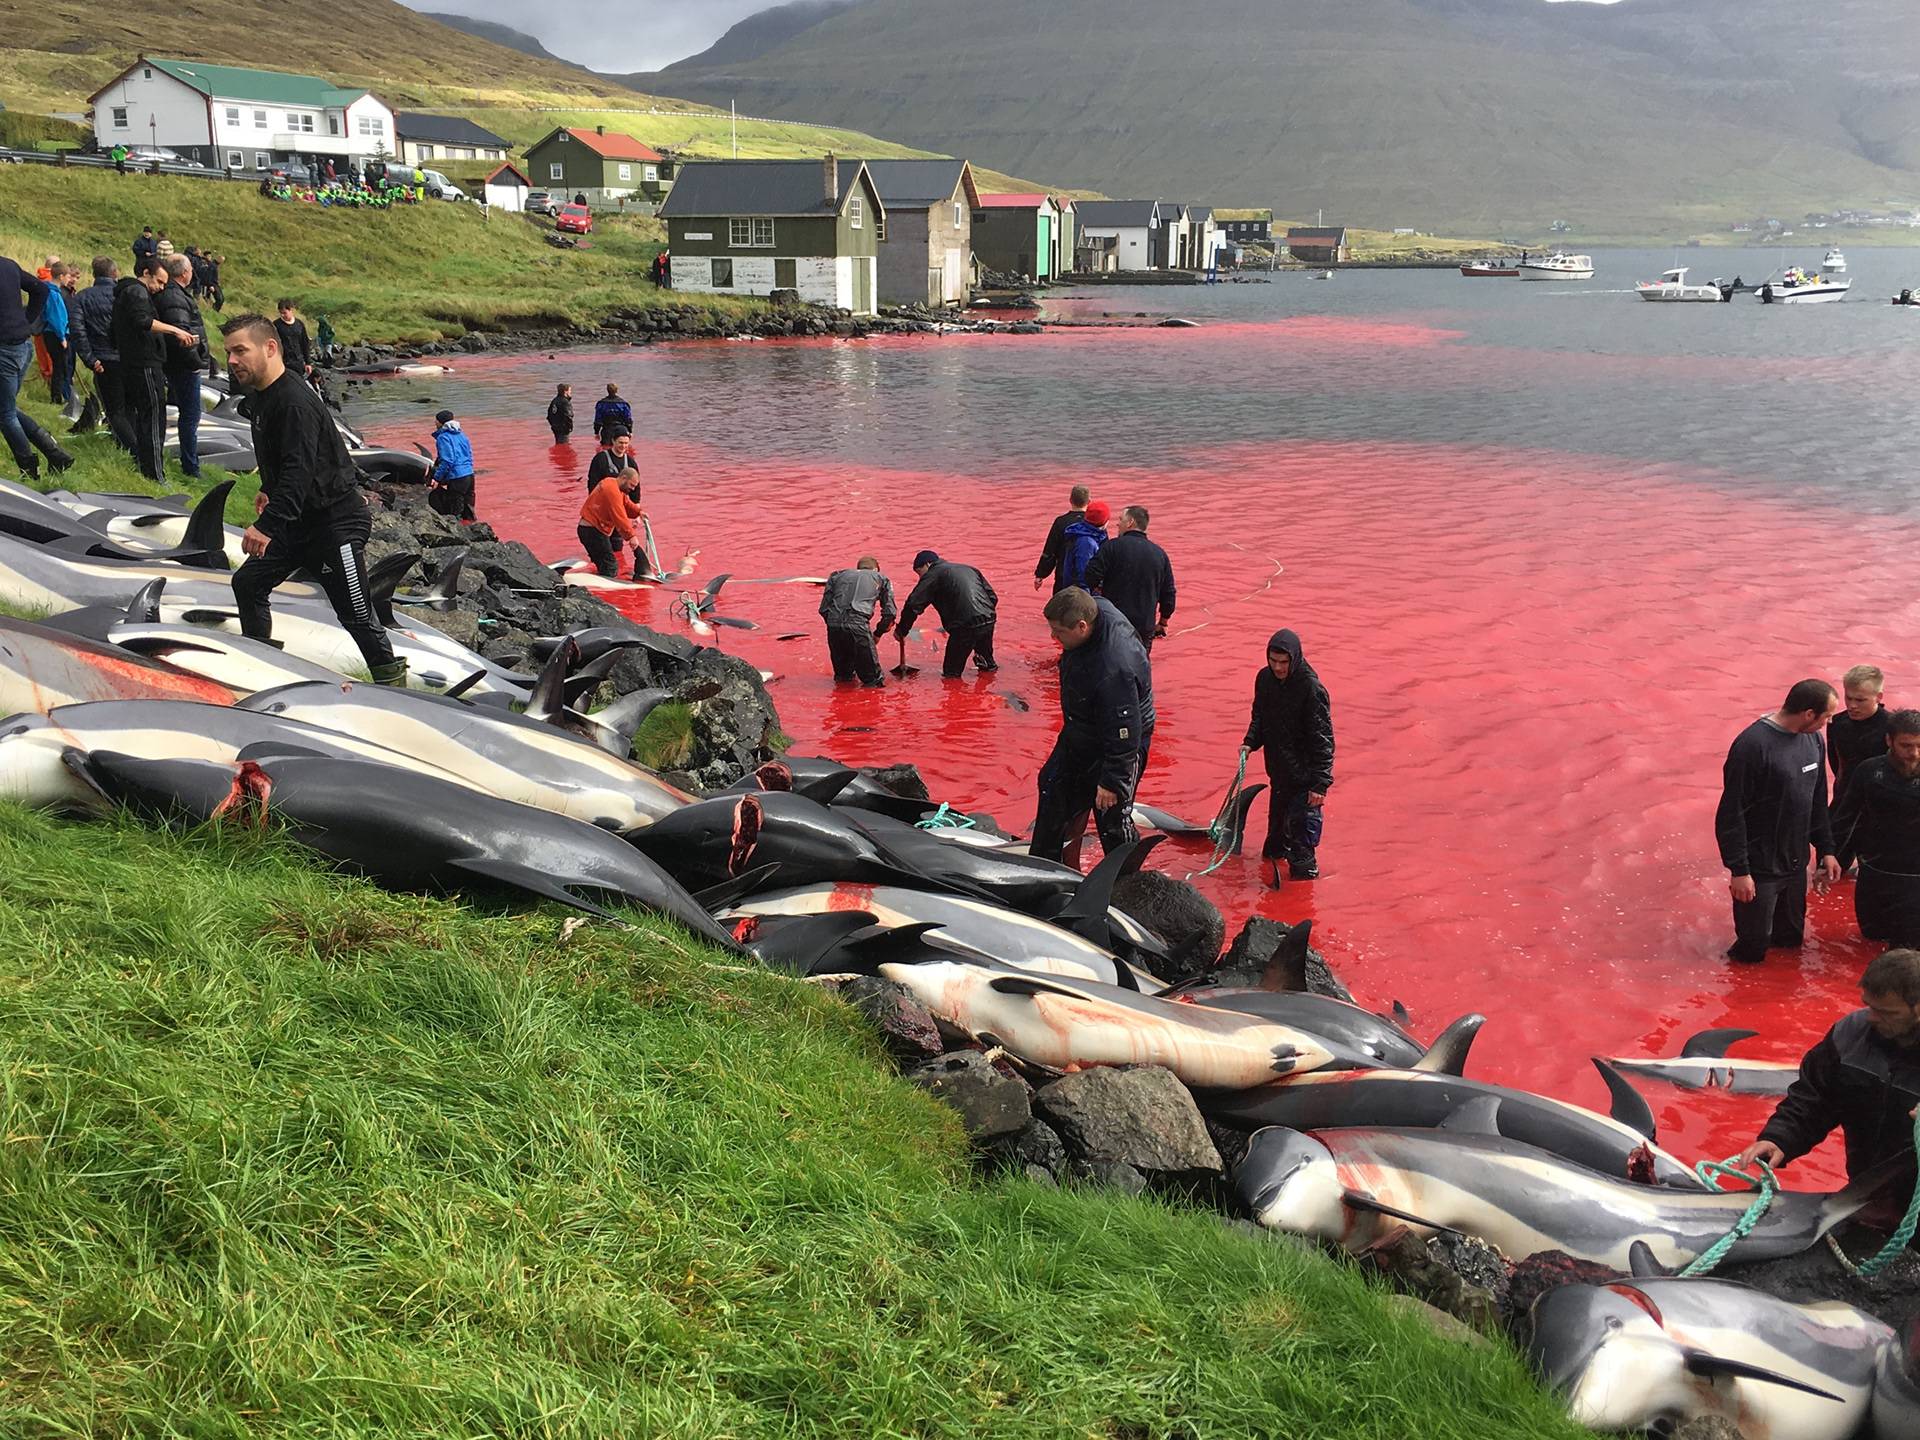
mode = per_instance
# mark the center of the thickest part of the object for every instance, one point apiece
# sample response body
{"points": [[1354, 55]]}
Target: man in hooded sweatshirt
{"points": [[450, 482], [1106, 724], [1293, 723]]}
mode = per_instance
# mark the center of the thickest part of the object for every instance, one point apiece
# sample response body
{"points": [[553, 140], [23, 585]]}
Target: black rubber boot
{"points": [[57, 458], [394, 672]]}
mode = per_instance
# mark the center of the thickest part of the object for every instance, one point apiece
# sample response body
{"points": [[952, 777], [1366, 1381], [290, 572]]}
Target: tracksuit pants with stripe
{"points": [[331, 549]]}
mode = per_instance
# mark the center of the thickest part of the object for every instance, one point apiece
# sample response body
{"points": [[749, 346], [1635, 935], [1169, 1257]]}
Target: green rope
{"points": [[1711, 1173], [1902, 1233], [946, 818], [1221, 830]]}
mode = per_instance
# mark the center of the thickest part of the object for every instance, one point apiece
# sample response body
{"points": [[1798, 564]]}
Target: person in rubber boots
{"points": [[1292, 723], [450, 482], [848, 607], [966, 605]]}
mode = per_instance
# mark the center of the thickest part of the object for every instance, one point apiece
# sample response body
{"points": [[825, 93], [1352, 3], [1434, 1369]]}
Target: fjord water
{"points": [[1550, 548]]}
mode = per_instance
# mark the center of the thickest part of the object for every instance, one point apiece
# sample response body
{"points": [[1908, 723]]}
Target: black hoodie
{"points": [[1293, 722]]}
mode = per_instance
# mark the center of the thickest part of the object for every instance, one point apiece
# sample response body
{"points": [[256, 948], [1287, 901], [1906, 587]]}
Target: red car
{"points": [[575, 219]]}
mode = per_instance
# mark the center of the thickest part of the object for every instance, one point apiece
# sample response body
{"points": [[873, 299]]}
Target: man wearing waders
{"points": [[1293, 723]]}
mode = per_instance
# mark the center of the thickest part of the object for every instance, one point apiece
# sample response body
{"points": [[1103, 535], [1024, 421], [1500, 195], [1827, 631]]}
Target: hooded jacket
{"points": [[53, 315], [1106, 699], [850, 600], [1293, 722], [1135, 574], [1079, 543], [17, 321], [132, 325], [92, 327], [1050, 551], [959, 595], [1858, 1082], [175, 306], [453, 453]]}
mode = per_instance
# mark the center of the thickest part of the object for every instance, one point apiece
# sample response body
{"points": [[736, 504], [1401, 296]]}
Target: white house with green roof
{"points": [[239, 119]]}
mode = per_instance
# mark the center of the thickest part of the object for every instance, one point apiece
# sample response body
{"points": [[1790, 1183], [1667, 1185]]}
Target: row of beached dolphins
{"points": [[137, 691]]}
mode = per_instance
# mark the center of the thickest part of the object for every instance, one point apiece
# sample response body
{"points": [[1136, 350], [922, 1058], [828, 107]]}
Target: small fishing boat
{"points": [[1835, 263], [1490, 270], [1324, 275], [1799, 286], [1558, 266], [1672, 287]]}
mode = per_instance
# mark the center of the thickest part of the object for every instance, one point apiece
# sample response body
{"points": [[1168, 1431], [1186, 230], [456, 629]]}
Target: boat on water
{"points": [[1557, 266], [1672, 287], [1490, 270], [1324, 275], [1799, 286], [1835, 263]]}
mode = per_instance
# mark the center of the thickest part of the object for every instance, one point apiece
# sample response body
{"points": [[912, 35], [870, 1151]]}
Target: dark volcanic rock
{"points": [[1187, 923], [1246, 961], [510, 564], [988, 1102], [1893, 1294], [1114, 1174], [1708, 1427], [1534, 1276], [1035, 1151], [905, 1026], [1143, 1117], [1448, 1277], [903, 780]]}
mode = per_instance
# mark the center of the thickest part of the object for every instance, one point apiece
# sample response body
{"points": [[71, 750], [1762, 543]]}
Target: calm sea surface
{"points": [[1550, 548]]}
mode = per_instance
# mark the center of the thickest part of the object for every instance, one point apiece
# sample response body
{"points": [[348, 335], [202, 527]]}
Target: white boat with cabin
{"points": [[1835, 263], [1672, 287], [1557, 266], [1806, 287]]}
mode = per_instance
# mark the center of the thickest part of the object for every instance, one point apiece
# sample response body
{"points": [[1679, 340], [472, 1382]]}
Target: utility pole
{"points": [[733, 109]]}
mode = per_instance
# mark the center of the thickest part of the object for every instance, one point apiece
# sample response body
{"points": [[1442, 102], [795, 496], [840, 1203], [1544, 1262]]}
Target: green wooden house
{"points": [[609, 169]]}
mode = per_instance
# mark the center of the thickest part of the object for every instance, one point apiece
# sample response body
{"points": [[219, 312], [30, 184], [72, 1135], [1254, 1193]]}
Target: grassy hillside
{"points": [[287, 1156], [408, 274], [1474, 116]]}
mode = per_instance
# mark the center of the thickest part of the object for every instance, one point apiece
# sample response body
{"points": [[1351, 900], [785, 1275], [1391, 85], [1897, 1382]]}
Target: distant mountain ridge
{"points": [[1483, 116], [758, 33], [500, 35]]}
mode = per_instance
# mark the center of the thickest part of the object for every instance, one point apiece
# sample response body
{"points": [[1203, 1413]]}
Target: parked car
{"points": [[541, 202], [294, 172], [147, 154], [574, 219]]}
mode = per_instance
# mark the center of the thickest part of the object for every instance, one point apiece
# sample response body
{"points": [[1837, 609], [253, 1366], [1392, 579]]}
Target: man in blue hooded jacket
{"points": [[1293, 723], [450, 482]]}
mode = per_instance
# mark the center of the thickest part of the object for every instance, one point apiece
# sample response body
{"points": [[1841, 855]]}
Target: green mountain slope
{"points": [[1471, 115]]}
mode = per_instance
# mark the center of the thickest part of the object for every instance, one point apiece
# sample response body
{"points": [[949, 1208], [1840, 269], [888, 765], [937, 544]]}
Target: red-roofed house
{"points": [[607, 167], [1015, 234]]}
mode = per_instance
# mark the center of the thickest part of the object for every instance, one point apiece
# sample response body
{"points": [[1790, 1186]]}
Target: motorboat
{"points": [[1324, 275], [1557, 266], [1673, 287], [1490, 270], [1835, 263], [1799, 286]]}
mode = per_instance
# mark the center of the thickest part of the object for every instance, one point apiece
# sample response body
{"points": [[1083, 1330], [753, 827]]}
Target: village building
{"points": [[1245, 227], [1170, 238], [1066, 234], [1318, 244], [1115, 235], [229, 117], [926, 241], [609, 168], [426, 138], [1014, 234], [506, 188], [1203, 239], [751, 227]]}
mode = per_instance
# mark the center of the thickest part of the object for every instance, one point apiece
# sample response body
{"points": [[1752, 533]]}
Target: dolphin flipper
{"points": [[1448, 1054], [1478, 1116], [1630, 1107], [1715, 1366], [1356, 1201], [1641, 1263], [1712, 1044], [801, 944], [523, 877], [615, 725], [445, 590]]}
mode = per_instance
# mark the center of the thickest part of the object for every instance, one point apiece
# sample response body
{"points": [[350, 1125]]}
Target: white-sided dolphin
{"points": [[1350, 1187], [1896, 1387], [407, 828], [247, 666], [1381, 1041], [41, 668], [34, 576], [1636, 1354], [1703, 1064]]}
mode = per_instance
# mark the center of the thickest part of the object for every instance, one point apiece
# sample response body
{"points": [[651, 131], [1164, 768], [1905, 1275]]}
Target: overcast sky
{"points": [[603, 35]]}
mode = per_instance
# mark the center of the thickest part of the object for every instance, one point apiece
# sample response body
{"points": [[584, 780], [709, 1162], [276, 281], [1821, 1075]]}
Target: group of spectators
{"points": [[205, 280]]}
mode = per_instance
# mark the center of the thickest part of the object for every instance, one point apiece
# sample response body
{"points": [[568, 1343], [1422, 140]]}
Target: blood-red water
{"points": [[1537, 658]]}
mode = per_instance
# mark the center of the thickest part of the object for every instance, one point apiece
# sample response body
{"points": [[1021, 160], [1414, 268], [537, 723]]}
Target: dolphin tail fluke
{"points": [[615, 726], [585, 679], [1086, 913], [1713, 1043], [1629, 1107], [1714, 1367], [1448, 1054], [1237, 821], [207, 530], [384, 578], [1287, 968]]}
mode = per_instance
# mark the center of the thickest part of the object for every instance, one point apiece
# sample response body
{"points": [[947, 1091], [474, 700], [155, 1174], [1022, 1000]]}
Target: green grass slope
{"points": [[289, 1156], [1473, 117]]}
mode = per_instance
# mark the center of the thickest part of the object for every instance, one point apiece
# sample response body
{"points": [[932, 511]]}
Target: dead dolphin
{"points": [[246, 666], [1345, 1186], [41, 668], [36, 576], [1896, 1387], [1632, 1355], [1381, 1041], [1703, 1065], [508, 755], [707, 841], [199, 540], [1620, 1145], [1069, 1024], [406, 828]]}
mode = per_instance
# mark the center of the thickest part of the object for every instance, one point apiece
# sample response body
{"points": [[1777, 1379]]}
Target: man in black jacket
{"points": [[1135, 574], [1863, 1078], [966, 605], [1293, 723], [311, 513], [1859, 732], [1877, 823], [1106, 726], [1050, 552], [23, 433], [185, 363], [1773, 805], [848, 608], [92, 331], [296, 351], [139, 334]]}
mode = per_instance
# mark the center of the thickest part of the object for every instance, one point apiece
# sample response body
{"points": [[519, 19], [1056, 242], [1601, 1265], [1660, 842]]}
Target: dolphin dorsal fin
{"points": [[1478, 1116], [207, 528], [1641, 1262], [1629, 1106], [1086, 913], [615, 726], [1712, 1044], [1448, 1054], [547, 701], [446, 589], [144, 607], [1031, 985], [383, 579], [1286, 970]]}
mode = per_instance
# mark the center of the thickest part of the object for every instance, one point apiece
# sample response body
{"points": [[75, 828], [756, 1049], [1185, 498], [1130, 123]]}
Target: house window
{"points": [[370, 124], [120, 117], [262, 160], [880, 230], [723, 274], [959, 215], [333, 124], [236, 160], [146, 74], [856, 213], [750, 234], [651, 174], [426, 151], [786, 275], [302, 124], [259, 119], [233, 116], [626, 172], [556, 171]]}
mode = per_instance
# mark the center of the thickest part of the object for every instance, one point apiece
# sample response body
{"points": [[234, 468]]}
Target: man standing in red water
{"points": [[1860, 734], [1293, 722], [1877, 822], [1773, 805]]}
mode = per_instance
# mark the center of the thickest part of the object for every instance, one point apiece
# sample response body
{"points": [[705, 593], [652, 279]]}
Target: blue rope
{"points": [[1221, 830], [1711, 1173], [946, 818]]}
